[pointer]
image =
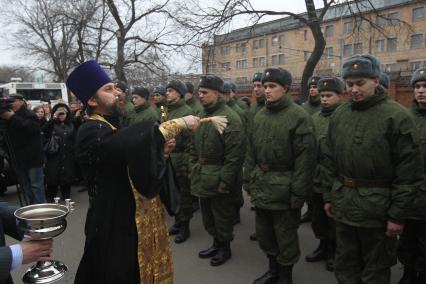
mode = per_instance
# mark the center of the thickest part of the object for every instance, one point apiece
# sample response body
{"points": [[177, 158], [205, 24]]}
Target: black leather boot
{"points": [[286, 275], [210, 252], [409, 276], [222, 255], [184, 233], [271, 276], [237, 218], [331, 252], [174, 230], [319, 254]]}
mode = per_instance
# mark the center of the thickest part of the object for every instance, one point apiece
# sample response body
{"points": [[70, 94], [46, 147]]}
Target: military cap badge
{"points": [[325, 83], [422, 72], [267, 74], [355, 66]]}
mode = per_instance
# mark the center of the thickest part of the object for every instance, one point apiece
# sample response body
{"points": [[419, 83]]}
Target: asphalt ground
{"points": [[247, 263]]}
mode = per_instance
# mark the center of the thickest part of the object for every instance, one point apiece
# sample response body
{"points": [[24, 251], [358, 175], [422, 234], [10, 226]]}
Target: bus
{"points": [[37, 93]]}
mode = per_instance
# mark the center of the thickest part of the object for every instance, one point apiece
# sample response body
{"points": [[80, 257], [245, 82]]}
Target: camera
{"points": [[5, 103]]}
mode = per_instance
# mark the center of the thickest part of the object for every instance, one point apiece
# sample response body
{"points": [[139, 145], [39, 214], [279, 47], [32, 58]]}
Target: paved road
{"points": [[248, 261]]}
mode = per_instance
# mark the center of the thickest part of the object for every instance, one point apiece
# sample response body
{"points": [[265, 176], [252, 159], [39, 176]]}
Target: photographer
{"points": [[60, 163], [23, 129]]}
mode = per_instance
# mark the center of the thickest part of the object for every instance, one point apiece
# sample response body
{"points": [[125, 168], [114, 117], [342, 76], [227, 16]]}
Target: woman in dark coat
{"points": [[59, 171]]}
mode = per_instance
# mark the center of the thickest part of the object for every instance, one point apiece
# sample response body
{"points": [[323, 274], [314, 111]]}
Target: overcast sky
{"points": [[9, 56]]}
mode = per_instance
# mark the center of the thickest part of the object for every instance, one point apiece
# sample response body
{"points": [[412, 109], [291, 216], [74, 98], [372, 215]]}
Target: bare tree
{"points": [[9, 71], [217, 19]]}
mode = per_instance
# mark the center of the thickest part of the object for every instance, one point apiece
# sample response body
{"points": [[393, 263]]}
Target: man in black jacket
{"points": [[25, 137]]}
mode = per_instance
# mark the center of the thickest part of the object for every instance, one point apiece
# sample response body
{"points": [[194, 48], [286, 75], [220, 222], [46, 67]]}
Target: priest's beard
{"points": [[111, 109]]}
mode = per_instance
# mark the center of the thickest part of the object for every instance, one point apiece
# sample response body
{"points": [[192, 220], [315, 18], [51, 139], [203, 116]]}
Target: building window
{"points": [[390, 67], [259, 43], [393, 18], [241, 80], [278, 40], [380, 45], [416, 41], [226, 66], [305, 35], [418, 14], [416, 65], [241, 64], [328, 52], [381, 21], [259, 62], [329, 31], [392, 43], [211, 68], [347, 50], [278, 59], [358, 48], [241, 47], [225, 50], [349, 27], [306, 55]]}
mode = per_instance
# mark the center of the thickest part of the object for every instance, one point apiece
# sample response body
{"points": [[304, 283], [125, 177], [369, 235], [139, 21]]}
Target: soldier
{"points": [[158, 97], [232, 103], [216, 161], [142, 111], [175, 92], [281, 148], [412, 244], [312, 106], [238, 100], [323, 226], [384, 81], [371, 170], [191, 100]]}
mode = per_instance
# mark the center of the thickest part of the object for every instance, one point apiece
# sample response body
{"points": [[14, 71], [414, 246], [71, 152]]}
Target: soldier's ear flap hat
{"points": [[277, 75], [257, 77], [364, 65], [141, 91], [384, 80], [189, 87], [211, 82], [418, 75], [178, 86], [227, 87], [313, 81], [332, 84], [86, 79]]}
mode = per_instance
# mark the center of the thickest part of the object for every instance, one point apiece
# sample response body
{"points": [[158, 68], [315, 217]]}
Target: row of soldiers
{"points": [[360, 162]]}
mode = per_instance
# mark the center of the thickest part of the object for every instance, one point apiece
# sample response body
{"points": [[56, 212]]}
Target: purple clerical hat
{"points": [[86, 79]]}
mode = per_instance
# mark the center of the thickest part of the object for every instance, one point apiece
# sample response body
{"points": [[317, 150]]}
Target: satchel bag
{"points": [[170, 191], [52, 145]]}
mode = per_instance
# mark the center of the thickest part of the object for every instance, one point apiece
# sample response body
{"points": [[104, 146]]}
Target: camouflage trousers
{"points": [[323, 226], [186, 200], [218, 214], [276, 232], [363, 255], [412, 245]]}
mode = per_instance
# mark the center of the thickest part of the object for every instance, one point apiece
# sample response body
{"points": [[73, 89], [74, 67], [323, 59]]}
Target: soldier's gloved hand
{"points": [[192, 122], [328, 208], [394, 229]]}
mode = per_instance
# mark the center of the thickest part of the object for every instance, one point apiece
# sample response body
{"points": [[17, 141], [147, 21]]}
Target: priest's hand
{"points": [[169, 146], [192, 122]]}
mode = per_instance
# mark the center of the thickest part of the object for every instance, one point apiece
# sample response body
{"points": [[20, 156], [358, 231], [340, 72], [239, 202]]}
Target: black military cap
{"points": [[364, 65], [189, 87], [384, 80], [418, 75], [178, 86], [257, 77], [159, 90], [17, 96], [313, 81], [211, 82], [233, 87], [332, 84], [141, 91], [227, 87], [277, 75], [121, 85]]}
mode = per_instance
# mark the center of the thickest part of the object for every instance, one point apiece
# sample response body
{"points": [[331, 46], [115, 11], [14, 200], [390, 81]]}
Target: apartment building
{"points": [[398, 40]]}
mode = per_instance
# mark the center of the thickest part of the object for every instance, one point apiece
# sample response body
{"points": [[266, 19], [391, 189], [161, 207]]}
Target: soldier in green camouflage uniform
{"points": [[142, 111], [323, 226], [159, 98], [280, 156], [412, 244], [191, 100], [312, 106], [237, 99], [372, 164], [216, 162], [232, 103], [177, 108]]}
